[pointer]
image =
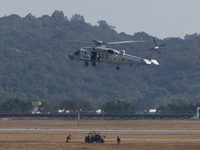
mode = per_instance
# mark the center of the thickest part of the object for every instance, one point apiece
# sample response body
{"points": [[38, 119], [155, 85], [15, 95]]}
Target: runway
{"points": [[31, 131]]}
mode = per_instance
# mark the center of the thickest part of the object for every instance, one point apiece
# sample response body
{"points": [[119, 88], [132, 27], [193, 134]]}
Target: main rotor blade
{"points": [[82, 42], [154, 40], [96, 42], [124, 42], [87, 47]]}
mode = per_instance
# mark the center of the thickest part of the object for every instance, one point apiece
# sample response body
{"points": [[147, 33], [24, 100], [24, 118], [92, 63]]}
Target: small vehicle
{"points": [[94, 136]]}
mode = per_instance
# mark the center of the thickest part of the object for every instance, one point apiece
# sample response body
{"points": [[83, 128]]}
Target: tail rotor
{"points": [[156, 47]]}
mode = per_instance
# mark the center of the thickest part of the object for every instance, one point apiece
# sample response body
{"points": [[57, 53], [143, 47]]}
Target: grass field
{"points": [[130, 141]]}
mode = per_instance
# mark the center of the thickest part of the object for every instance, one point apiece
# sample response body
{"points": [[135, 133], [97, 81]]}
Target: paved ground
{"points": [[26, 131]]}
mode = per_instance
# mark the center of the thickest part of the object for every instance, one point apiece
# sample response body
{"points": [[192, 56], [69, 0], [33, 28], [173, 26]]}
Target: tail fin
{"points": [[151, 61], [155, 62], [148, 62]]}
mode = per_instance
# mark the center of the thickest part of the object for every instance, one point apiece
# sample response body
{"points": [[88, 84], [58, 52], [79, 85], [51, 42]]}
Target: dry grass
{"points": [[56, 141]]}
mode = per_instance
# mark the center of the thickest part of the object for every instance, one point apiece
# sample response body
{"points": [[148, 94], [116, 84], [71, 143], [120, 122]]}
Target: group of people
{"points": [[68, 138]]}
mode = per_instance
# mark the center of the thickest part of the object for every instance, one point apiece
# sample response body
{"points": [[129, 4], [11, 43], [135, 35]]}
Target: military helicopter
{"points": [[102, 54]]}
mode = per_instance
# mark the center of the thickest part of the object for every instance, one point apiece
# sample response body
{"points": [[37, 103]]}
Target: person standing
{"points": [[118, 140]]}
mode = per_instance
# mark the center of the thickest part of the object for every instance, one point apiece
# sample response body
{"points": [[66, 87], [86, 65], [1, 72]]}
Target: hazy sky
{"points": [[160, 18]]}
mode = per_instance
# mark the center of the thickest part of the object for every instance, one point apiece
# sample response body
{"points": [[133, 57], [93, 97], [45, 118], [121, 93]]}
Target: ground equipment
{"points": [[94, 136]]}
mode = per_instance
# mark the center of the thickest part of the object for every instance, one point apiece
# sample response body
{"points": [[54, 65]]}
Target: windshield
{"points": [[77, 52]]}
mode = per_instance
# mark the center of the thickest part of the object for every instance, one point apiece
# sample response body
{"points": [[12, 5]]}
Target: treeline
{"points": [[34, 65], [180, 107], [17, 106]]}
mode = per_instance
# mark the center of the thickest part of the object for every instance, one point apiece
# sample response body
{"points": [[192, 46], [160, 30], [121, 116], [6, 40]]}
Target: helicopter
{"points": [[100, 53]]}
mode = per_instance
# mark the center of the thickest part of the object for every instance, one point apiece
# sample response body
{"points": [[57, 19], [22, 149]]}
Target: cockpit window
{"points": [[110, 51], [77, 52]]}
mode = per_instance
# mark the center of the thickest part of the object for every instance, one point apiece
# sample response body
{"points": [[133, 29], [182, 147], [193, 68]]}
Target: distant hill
{"points": [[34, 64]]}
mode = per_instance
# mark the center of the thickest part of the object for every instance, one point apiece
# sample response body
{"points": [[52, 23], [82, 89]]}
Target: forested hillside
{"points": [[34, 64]]}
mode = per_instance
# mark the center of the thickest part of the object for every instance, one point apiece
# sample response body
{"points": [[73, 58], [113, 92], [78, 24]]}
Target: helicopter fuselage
{"points": [[102, 54], [108, 55]]}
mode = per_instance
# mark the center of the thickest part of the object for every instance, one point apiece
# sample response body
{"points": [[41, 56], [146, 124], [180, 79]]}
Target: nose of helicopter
{"points": [[71, 56]]}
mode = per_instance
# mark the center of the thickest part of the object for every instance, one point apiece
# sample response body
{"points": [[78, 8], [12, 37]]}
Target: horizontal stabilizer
{"points": [[148, 62], [155, 62]]}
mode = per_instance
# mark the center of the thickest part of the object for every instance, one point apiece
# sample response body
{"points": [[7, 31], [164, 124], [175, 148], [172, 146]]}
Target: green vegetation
{"points": [[34, 64], [17, 106], [180, 107], [118, 107]]}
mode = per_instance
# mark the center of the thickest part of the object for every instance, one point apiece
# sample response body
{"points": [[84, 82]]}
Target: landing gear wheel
{"points": [[117, 68], [93, 64], [86, 63]]}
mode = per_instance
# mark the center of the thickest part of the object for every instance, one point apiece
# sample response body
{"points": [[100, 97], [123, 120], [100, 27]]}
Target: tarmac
{"points": [[29, 131]]}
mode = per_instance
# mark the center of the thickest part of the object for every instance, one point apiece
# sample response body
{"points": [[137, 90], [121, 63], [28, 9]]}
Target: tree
{"points": [[180, 107], [58, 14], [30, 16], [104, 24], [118, 107], [16, 106], [74, 105], [77, 17]]}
